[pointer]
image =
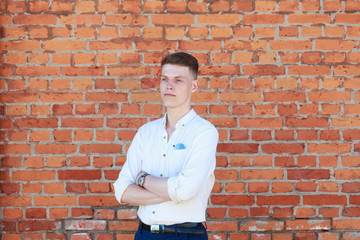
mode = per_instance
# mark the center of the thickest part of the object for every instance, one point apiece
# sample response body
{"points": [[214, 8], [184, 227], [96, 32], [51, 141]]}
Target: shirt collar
{"points": [[184, 120]]}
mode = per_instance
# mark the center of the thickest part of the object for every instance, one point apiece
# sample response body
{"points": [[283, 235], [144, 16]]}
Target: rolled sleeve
{"points": [[198, 169], [130, 169]]}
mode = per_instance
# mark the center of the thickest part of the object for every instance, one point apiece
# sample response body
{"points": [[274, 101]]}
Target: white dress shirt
{"points": [[187, 159]]}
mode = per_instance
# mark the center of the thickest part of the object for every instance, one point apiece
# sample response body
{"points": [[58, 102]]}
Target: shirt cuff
{"points": [[172, 184]]}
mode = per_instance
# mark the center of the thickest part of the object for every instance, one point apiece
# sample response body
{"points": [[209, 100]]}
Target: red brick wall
{"points": [[279, 79]]}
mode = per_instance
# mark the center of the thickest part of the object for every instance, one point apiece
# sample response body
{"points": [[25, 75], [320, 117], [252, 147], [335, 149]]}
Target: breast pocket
{"points": [[178, 160]]}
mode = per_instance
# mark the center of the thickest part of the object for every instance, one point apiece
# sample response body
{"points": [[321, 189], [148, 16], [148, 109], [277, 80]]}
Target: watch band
{"points": [[141, 180]]}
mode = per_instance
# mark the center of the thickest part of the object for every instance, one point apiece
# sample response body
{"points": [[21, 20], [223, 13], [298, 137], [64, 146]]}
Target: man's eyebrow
{"points": [[174, 76]]}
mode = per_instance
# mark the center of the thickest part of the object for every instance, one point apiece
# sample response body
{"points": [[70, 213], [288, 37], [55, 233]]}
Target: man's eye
{"points": [[163, 79]]}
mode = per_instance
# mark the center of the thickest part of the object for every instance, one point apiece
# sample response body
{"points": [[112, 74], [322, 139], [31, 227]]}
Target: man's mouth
{"points": [[169, 95]]}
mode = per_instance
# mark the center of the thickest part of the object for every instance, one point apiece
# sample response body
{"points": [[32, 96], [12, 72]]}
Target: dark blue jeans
{"points": [[143, 234]]}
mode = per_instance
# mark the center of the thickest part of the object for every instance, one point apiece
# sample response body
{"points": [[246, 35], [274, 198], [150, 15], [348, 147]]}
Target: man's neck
{"points": [[173, 116]]}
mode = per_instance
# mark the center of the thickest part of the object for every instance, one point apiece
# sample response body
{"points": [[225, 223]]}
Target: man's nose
{"points": [[169, 84]]}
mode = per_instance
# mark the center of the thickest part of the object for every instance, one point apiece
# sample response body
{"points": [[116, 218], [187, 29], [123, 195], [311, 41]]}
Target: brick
{"points": [[263, 19], [132, 20], [218, 19], [62, 109], [34, 162], [289, 31], [282, 212], [99, 187], [353, 31], [79, 174], [308, 18], [35, 19], [101, 200], [262, 161], [278, 187], [175, 6], [155, 6], [346, 174], [304, 213], [197, 6], [310, 70], [219, 6], [282, 236], [16, 110], [346, 224], [81, 19], [61, 58], [232, 200], [35, 213], [245, 45], [15, 149], [115, 44], [39, 225], [324, 199], [347, 18], [9, 188], [23, 175], [346, 70], [350, 161], [330, 147], [226, 174], [85, 6], [354, 200], [127, 71], [235, 187], [41, 6], [261, 226], [55, 148], [265, 6], [311, 32], [219, 70], [261, 174], [16, 58], [240, 97], [200, 45], [290, 45], [125, 122], [37, 71], [305, 186], [258, 187], [283, 148], [278, 200], [83, 135], [12, 213], [36, 33], [340, 45], [82, 225], [239, 135], [309, 174], [308, 122], [263, 122], [58, 213], [32, 188], [237, 148]]}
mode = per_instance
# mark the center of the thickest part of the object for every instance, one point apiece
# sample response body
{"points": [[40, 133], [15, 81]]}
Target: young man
{"points": [[169, 171]]}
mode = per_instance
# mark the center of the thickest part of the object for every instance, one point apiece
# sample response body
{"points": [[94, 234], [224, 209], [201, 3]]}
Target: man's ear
{"points": [[195, 85]]}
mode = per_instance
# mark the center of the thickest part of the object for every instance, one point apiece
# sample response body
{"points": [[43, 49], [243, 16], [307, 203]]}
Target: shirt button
{"points": [[164, 155], [153, 212], [164, 137], [161, 175]]}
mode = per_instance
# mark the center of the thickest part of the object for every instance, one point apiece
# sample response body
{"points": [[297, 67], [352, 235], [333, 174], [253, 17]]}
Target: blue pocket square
{"points": [[179, 146]]}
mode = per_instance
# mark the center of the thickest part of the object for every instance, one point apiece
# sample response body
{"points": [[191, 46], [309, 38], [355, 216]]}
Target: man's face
{"points": [[177, 84]]}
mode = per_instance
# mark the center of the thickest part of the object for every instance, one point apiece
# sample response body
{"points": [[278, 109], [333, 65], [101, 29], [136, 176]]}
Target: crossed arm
{"points": [[154, 191], [197, 171]]}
